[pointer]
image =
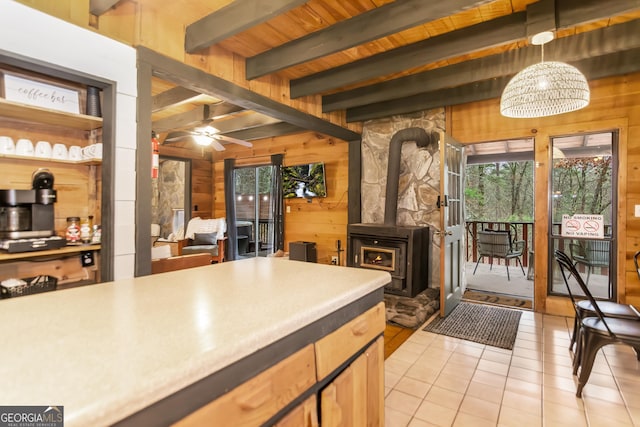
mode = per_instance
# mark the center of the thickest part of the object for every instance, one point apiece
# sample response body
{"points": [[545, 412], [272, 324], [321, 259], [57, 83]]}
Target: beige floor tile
{"points": [[424, 373], [563, 383], [480, 408], [405, 354], [443, 397], [602, 393], [402, 402], [562, 397], [469, 420], [524, 387], [493, 367], [390, 378], [413, 387], [464, 359], [484, 391], [435, 414], [459, 370], [527, 404], [495, 356], [528, 336], [393, 418], [558, 415], [513, 417], [416, 422], [452, 382], [528, 354], [596, 408], [489, 378], [397, 366], [521, 362]]}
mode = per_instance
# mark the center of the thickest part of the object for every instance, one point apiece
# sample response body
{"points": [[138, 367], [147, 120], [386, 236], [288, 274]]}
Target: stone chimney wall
{"points": [[419, 176]]}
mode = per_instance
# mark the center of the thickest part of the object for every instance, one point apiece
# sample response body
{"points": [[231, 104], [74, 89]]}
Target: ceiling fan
{"points": [[206, 136]]}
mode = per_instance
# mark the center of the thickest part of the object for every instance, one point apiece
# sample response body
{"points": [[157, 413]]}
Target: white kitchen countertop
{"points": [[109, 350]]}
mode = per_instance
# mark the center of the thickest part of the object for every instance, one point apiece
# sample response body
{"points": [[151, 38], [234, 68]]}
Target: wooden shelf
{"points": [[5, 256], [30, 113], [51, 160]]}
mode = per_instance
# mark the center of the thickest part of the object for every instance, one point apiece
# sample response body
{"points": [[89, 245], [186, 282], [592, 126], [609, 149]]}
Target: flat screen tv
{"points": [[304, 181]]}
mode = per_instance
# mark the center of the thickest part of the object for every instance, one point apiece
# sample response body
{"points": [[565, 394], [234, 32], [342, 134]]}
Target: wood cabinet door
{"points": [[356, 396], [303, 415]]}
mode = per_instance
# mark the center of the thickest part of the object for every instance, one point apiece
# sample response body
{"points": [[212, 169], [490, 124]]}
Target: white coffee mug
{"points": [[59, 152], [24, 147], [6, 145], [75, 152], [93, 151], [43, 149]]}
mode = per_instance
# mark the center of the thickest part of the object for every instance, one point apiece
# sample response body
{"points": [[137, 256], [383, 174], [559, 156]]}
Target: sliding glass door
{"points": [[254, 200]]}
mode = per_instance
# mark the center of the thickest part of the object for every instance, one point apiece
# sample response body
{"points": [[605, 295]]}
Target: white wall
{"points": [[33, 34]]}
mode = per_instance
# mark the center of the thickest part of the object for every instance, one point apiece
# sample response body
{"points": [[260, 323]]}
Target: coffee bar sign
{"points": [[31, 92], [583, 225]]}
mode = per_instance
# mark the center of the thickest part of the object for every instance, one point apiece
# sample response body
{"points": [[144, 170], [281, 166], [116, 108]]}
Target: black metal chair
{"points": [[594, 329], [498, 244], [635, 261]]}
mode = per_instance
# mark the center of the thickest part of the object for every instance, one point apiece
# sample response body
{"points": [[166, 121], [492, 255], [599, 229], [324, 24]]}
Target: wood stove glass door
{"points": [[451, 223]]}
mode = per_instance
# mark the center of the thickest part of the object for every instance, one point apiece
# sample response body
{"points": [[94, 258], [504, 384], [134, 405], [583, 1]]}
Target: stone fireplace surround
{"points": [[419, 183]]}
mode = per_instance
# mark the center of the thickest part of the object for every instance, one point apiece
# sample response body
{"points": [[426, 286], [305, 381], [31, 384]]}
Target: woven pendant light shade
{"points": [[545, 89]]}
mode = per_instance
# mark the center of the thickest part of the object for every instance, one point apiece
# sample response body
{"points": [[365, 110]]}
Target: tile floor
{"points": [[435, 380]]}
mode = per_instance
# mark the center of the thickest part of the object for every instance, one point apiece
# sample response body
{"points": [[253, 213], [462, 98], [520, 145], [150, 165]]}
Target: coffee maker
{"points": [[27, 216]]}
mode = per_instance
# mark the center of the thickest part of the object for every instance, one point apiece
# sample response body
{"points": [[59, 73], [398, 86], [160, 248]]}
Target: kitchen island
{"points": [[245, 342]]}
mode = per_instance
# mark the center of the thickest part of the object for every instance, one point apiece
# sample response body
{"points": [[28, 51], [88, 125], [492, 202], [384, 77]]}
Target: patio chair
{"points": [[591, 253], [635, 261], [498, 244], [595, 329]]}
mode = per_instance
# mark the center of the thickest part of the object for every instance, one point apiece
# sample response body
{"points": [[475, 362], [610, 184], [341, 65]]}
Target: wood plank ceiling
{"points": [[375, 58]]}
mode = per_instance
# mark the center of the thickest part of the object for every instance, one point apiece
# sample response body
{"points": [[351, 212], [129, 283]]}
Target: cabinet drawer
{"points": [[338, 346], [258, 399]]}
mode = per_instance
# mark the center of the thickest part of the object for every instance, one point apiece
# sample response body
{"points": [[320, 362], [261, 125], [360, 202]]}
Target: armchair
{"points": [[498, 244], [205, 236]]}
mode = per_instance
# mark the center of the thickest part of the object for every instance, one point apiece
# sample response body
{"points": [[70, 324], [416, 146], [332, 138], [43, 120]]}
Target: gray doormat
{"points": [[481, 323]]}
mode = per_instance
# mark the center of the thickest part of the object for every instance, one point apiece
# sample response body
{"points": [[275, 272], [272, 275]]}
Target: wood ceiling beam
{"points": [[267, 131], [232, 19], [496, 32], [184, 75], [594, 68], [374, 24], [172, 97], [540, 16], [595, 43]]}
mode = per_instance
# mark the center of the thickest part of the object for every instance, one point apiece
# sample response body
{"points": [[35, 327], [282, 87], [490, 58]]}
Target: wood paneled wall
{"points": [[614, 106], [324, 220]]}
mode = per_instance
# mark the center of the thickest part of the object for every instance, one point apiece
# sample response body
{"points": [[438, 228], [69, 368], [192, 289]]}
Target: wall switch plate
{"points": [[637, 214], [334, 260], [288, 209]]}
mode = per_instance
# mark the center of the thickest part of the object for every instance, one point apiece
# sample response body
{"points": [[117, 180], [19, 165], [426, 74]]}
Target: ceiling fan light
{"points": [[211, 129], [545, 89], [203, 140]]}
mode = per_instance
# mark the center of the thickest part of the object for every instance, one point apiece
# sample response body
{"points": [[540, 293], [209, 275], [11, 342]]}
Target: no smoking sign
{"points": [[582, 225]]}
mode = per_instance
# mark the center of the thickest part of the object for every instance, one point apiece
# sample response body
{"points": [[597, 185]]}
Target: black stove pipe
{"points": [[422, 139]]}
